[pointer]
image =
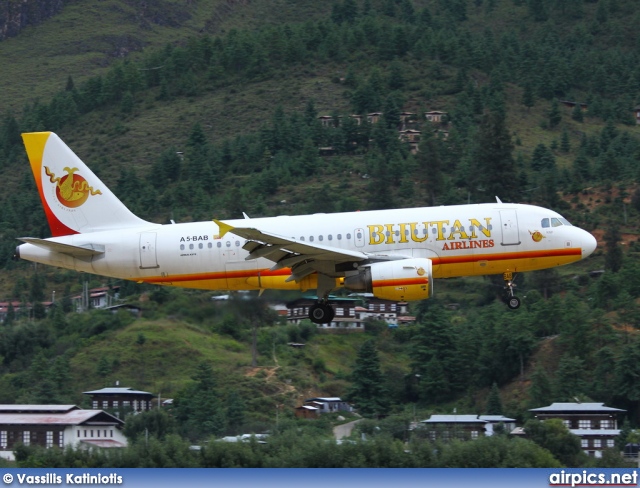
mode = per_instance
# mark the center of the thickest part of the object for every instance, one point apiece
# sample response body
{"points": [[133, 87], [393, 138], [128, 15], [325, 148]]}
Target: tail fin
{"points": [[74, 199]]}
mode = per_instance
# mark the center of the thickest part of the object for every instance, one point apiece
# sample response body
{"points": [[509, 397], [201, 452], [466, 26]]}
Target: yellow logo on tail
{"points": [[72, 189]]}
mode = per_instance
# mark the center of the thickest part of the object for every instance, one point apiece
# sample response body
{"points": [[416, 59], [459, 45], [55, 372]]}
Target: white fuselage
{"points": [[461, 240]]}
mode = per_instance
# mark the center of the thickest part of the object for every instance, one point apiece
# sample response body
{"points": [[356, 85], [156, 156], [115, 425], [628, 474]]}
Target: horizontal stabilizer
{"points": [[84, 250]]}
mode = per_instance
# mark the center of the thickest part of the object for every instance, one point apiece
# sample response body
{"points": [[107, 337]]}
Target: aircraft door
{"points": [[358, 237], [148, 254], [510, 234]]}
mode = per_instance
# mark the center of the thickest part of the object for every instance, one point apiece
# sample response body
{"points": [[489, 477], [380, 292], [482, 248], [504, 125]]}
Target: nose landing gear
{"points": [[513, 302]]}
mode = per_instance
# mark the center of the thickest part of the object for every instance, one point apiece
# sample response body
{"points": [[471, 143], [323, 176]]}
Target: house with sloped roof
{"points": [[57, 425], [595, 423], [328, 404], [120, 398], [447, 427], [351, 313]]}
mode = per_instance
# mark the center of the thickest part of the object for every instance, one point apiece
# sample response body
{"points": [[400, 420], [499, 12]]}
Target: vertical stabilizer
{"points": [[74, 199]]}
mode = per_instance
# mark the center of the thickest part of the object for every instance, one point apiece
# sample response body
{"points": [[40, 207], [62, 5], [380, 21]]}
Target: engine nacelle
{"points": [[405, 279]]}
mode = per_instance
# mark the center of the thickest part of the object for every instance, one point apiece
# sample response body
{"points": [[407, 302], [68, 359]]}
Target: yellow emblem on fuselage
{"points": [[536, 235]]}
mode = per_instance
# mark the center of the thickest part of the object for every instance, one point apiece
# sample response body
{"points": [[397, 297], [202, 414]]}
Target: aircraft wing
{"points": [[78, 251], [302, 257]]}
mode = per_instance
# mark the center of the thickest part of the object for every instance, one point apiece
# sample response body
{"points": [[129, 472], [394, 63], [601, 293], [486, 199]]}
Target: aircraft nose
{"points": [[589, 244]]}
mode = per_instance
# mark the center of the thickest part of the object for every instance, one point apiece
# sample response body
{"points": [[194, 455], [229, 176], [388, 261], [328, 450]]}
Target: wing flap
{"points": [[291, 245], [304, 258]]}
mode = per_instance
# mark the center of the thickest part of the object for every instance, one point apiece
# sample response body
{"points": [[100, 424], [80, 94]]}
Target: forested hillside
{"points": [[216, 113]]}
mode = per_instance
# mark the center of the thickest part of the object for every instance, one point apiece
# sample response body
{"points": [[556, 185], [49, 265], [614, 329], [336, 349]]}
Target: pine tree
{"points": [[565, 143], [528, 97], [494, 160], [198, 407], [555, 117], [431, 166], [576, 113], [235, 411], [494, 404], [569, 382], [613, 251], [541, 391], [367, 389]]}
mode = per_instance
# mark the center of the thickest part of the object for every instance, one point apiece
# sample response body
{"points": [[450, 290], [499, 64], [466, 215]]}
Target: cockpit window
{"points": [[555, 222]]}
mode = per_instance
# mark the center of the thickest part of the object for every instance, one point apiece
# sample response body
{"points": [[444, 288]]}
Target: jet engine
{"points": [[405, 279]]}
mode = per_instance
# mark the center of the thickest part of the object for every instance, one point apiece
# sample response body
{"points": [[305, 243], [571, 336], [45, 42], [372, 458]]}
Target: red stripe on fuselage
{"points": [[467, 258]]}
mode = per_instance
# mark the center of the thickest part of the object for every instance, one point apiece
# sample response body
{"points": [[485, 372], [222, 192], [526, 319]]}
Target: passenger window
{"points": [[182, 247], [190, 246], [210, 245], [359, 235], [320, 238], [237, 243], [339, 237], [348, 236], [200, 246], [302, 238], [330, 237], [555, 223], [228, 243], [219, 244], [310, 238]]}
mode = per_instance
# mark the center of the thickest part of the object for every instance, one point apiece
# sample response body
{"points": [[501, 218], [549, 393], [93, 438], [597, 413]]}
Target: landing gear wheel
{"points": [[321, 313], [513, 303]]}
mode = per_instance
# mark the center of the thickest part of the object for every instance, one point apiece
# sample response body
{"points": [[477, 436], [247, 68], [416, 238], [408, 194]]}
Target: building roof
{"points": [[73, 417], [576, 407], [21, 408], [495, 418], [117, 391], [324, 399], [457, 419]]}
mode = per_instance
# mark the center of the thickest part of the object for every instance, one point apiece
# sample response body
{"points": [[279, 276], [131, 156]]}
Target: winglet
{"points": [[222, 229]]}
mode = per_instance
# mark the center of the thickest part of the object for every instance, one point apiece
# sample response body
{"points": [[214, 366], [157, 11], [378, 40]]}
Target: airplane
{"points": [[392, 254]]}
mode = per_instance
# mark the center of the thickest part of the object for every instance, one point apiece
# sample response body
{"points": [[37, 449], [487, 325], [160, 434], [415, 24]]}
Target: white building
{"points": [[57, 425]]}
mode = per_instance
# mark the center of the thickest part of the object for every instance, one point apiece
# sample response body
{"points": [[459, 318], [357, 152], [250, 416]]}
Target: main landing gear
{"points": [[513, 302], [321, 312]]}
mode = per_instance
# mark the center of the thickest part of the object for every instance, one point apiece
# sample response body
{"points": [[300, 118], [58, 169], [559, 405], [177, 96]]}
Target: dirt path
{"points": [[344, 430]]}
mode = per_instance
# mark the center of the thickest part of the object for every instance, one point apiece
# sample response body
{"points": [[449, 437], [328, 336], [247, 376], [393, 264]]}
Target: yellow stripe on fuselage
{"points": [[444, 267]]}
